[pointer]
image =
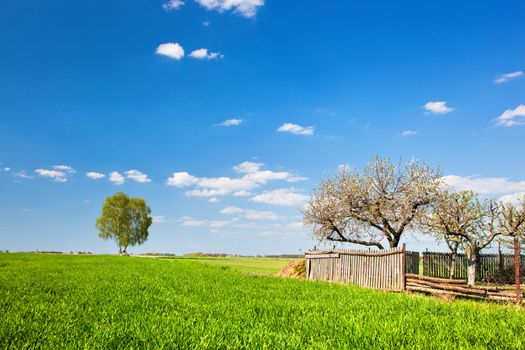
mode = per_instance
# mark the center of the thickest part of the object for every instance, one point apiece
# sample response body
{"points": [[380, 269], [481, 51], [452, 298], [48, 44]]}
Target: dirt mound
{"points": [[294, 269]]}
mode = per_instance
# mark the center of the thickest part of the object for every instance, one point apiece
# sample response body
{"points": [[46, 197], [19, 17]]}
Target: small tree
{"points": [[381, 203], [462, 217], [511, 218], [125, 220]]}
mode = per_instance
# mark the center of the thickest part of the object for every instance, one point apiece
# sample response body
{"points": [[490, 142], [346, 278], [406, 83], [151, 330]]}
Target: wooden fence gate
{"points": [[384, 269]]}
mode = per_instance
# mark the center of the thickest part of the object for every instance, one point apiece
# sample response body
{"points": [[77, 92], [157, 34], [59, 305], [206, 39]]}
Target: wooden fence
{"points": [[397, 269], [459, 288], [383, 269], [491, 267]]}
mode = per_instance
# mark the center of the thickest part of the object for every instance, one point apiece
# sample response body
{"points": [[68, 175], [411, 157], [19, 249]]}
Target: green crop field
{"points": [[71, 302], [254, 266]]}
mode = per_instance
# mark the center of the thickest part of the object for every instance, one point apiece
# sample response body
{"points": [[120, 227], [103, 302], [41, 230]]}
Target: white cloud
{"points": [[513, 198], [252, 177], [409, 133], [214, 200], [503, 78], [437, 107], [512, 117], [485, 185], [231, 210], [181, 179], [246, 8], [282, 196], [297, 129], [206, 23], [242, 193], [116, 178], [94, 175], [7, 169], [173, 5], [55, 175], [206, 193], [158, 219], [231, 122], [137, 176], [191, 222], [248, 167], [172, 50], [203, 53], [66, 168], [226, 183], [260, 215], [22, 174], [220, 223]]}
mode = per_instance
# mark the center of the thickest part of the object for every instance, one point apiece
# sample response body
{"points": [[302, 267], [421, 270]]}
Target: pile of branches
{"points": [[457, 288]]}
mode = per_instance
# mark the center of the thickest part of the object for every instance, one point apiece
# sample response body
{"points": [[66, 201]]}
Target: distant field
{"points": [[255, 266], [61, 301]]}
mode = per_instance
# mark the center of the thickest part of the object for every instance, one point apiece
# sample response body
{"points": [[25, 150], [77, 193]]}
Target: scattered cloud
{"points": [[252, 176], [206, 193], [485, 185], [181, 179], [173, 5], [206, 23], [231, 210], [203, 54], [116, 178], [158, 219], [246, 8], [260, 215], [297, 129], [408, 133], [22, 174], [214, 200], [137, 176], [55, 175], [7, 169], [231, 122], [282, 196], [437, 107], [512, 117], [95, 175], [65, 168], [513, 198], [242, 193], [250, 214], [191, 222], [503, 78], [172, 50]]}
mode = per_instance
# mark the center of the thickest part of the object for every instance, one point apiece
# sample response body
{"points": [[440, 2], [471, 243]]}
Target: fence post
{"points": [[500, 259], [517, 271], [403, 266]]}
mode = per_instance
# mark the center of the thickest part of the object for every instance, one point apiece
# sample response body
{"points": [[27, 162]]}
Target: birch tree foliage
{"points": [[125, 220], [382, 202]]}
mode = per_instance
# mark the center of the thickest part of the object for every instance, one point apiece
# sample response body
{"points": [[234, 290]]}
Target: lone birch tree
{"points": [[381, 203], [125, 220]]}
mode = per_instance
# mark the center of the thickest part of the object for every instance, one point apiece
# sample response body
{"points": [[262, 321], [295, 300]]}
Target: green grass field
{"points": [[252, 266], [54, 301]]}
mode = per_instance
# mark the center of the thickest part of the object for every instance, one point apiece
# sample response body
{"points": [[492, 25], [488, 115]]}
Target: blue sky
{"points": [[226, 140]]}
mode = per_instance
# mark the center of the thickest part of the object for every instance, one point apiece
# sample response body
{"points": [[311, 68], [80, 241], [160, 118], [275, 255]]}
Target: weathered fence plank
{"points": [[373, 269]]}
